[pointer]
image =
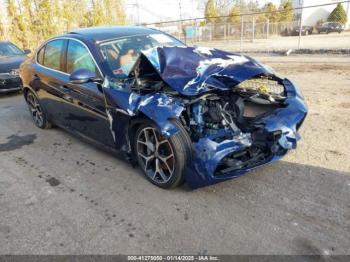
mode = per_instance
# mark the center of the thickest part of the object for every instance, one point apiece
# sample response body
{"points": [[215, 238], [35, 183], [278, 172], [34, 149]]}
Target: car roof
{"points": [[100, 34]]}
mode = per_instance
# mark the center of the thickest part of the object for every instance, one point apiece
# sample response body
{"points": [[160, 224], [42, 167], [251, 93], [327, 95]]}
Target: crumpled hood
{"points": [[191, 71], [8, 63]]}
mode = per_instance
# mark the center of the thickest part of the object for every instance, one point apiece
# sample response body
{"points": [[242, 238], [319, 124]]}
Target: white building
{"points": [[314, 14]]}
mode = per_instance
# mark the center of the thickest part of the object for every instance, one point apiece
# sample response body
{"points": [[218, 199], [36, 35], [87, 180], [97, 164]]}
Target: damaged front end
{"points": [[236, 111], [236, 131]]}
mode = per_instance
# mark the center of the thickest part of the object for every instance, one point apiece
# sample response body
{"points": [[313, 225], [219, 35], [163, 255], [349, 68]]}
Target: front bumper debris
{"points": [[280, 128]]}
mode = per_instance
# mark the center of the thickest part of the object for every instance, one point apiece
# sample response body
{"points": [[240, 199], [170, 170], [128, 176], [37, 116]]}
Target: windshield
{"points": [[121, 54], [8, 49]]}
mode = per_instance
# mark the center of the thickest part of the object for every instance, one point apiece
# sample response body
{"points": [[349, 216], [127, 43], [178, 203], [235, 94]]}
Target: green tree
{"points": [[46, 20], [18, 27], [106, 12], [271, 13], [286, 14], [2, 31], [98, 15], [243, 6], [120, 18], [234, 15], [252, 6], [211, 11], [113, 12], [338, 15], [33, 21], [70, 18]]}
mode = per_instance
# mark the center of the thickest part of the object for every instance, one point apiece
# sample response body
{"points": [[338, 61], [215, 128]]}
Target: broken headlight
{"points": [[263, 85]]}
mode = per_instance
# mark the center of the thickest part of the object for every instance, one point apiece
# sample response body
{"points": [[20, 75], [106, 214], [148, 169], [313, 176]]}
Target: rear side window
{"points": [[52, 54], [78, 57], [40, 56]]}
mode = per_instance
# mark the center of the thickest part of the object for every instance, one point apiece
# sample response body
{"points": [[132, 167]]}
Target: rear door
{"points": [[86, 111], [48, 78]]}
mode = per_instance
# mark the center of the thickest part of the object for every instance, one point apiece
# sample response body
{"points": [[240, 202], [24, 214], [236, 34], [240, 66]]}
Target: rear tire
{"points": [[162, 160], [37, 113]]}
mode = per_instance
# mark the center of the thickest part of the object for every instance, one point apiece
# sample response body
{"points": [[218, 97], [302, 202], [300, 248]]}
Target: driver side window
{"points": [[78, 57]]}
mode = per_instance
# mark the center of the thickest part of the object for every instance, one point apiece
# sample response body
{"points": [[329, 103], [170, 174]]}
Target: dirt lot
{"points": [[325, 83], [315, 41], [60, 195]]}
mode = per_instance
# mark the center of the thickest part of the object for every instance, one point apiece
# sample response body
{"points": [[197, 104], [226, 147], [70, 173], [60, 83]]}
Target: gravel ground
{"points": [[60, 195]]}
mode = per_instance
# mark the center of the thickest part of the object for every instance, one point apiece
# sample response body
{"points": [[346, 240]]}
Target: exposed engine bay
{"points": [[233, 111], [234, 115]]}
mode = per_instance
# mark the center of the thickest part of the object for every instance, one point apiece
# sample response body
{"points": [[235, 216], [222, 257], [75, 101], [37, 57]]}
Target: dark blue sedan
{"points": [[199, 115]]}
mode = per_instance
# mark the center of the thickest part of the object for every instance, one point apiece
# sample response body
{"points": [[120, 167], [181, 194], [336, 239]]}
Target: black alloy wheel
{"points": [[36, 112]]}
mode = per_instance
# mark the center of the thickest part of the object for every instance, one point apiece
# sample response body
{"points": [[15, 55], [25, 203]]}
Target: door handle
{"points": [[66, 89], [68, 98], [36, 77], [66, 93]]}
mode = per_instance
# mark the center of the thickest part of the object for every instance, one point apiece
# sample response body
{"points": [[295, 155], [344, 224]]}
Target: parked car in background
{"points": [[193, 114], [10, 59], [294, 31], [305, 30], [330, 27]]}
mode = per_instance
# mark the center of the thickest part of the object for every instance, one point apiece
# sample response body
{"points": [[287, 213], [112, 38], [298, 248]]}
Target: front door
{"points": [[86, 111]]}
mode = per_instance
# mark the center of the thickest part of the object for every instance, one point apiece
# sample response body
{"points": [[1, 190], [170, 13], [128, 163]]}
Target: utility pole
{"points": [[253, 29], [242, 28], [138, 11], [267, 28], [347, 12], [180, 9], [181, 25], [301, 3]]}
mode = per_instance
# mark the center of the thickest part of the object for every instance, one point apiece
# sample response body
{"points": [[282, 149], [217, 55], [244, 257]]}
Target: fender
{"points": [[124, 106], [160, 109]]}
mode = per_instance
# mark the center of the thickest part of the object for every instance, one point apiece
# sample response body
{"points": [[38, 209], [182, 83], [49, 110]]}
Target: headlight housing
{"points": [[263, 85], [14, 72]]}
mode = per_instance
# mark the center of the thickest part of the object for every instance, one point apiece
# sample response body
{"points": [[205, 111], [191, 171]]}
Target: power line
{"points": [[149, 11], [252, 13], [228, 3]]}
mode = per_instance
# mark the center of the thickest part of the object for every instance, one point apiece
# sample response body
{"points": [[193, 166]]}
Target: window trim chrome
{"points": [[65, 38]]}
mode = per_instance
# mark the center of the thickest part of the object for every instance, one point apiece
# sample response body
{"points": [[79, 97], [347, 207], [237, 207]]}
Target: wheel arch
{"points": [[26, 89], [180, 142], [141, 118]]}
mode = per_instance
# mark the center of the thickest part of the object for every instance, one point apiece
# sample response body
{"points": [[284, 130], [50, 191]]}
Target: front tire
{"points": [[163, 160], [36, 111]]}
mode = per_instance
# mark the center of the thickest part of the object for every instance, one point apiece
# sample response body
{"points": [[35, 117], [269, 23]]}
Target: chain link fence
{"points": [[250, 34]]}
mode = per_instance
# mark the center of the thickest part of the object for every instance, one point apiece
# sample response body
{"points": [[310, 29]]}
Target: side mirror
{"points": [[82, 76], [27, 51]]}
